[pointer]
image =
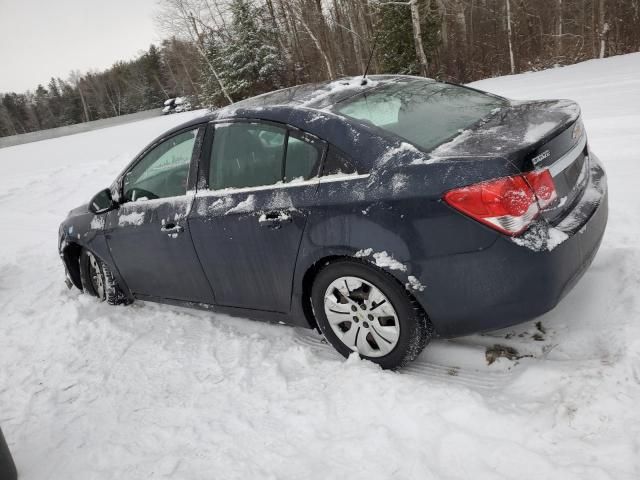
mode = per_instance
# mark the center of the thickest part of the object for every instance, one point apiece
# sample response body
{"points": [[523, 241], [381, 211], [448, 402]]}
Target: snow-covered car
{"points": [[176, 105], [382, 211]]}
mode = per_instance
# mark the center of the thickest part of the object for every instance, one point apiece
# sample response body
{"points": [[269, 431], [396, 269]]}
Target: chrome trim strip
{"points": [[313, 181], [568, 158], [339, 178]]}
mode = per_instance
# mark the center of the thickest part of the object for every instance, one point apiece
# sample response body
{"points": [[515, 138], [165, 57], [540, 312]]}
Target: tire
{"points": [[389, 335], [98, 281]]}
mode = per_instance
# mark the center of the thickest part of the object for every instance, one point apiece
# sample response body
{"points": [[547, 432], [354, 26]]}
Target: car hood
{"points": [[77, 221], [81, 210]]}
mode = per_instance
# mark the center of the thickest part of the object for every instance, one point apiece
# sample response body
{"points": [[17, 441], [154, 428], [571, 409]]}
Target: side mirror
{"points": [[102, 202]]}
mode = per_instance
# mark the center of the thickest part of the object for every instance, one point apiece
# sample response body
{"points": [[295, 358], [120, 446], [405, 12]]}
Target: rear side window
{"points": [[246, 155], [337, 163], [303, 157]]}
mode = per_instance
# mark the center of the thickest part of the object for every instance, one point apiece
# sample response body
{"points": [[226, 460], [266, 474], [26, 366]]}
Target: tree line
{"points": [[221, 51]]}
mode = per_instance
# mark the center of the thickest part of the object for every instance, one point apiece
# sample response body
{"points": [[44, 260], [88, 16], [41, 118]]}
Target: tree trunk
{"points": [[323, 53], [84, 104], [603, 30], [511, 61], [417, 37], [200, 47], [559, 30], [357, 44]]}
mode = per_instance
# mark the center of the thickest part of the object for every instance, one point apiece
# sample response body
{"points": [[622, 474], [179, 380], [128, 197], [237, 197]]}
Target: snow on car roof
{"points": [[318, 95]]}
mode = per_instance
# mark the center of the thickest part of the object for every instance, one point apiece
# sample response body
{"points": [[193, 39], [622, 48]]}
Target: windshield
{"points": [[423, 112]]}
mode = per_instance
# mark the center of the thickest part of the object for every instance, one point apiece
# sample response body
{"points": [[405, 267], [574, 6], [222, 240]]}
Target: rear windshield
{"points": [[423, 112]]}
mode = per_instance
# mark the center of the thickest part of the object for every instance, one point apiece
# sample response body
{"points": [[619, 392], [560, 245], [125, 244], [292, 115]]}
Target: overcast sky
{"points": [[44, 38]]}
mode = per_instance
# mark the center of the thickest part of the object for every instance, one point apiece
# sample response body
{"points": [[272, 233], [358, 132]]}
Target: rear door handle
{"points": [[171, 229], [274, 219]]}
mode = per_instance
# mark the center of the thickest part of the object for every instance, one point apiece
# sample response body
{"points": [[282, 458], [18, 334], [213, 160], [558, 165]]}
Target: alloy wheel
{"points": [[97, 280], [361, 316]]}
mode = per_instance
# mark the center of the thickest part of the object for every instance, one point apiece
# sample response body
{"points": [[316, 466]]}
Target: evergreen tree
{"points": [[6, 123], [396, 50], [15, 106], [150, 66], [55, 100], [248, 61], [43, 111], [71, 111]]}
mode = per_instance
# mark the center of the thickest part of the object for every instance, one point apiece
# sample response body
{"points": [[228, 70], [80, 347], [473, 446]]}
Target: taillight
{"points": [[507, 204], [543, 186]]}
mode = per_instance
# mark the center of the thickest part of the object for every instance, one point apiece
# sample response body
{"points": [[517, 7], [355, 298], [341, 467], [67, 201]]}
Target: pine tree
{"points": [[396, 48], [43, 110], [71, 105], [249, 61]]}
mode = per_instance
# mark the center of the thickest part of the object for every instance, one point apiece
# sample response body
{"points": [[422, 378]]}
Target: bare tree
{"points": [[603, 29], [76, 79], [511, 61], [185, 18]]}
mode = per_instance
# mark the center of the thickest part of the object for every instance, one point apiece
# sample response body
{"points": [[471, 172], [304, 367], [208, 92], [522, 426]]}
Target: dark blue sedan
{"points": [[383, 211]]}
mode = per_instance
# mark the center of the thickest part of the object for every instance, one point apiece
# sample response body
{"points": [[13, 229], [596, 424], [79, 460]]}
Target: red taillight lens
{"points": [[543, 186], [508, 204]]}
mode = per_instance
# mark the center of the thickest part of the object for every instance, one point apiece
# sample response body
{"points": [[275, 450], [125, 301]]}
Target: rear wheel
{"points": [[97, 280], [360, 308]]}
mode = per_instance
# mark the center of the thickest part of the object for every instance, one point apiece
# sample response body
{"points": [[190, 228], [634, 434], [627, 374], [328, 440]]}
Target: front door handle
{"points": [[171, 229], [274, 219]]}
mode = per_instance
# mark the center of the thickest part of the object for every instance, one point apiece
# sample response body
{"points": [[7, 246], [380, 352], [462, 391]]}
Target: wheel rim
{"points": [[361, 316], [97, 282]]}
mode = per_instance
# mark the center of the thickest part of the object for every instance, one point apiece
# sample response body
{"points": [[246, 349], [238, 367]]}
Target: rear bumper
{"points": [[515, 280]]}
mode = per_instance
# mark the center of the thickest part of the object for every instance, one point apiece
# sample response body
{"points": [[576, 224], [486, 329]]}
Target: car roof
{"points": [[307, 107], [319, 95], [316, 96]]}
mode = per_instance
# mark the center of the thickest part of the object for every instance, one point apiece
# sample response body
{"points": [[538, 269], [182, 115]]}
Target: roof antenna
{"points": [[373, 49]]}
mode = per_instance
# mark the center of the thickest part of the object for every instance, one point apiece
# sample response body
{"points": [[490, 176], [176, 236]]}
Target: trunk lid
{"points": [[532, 136]]}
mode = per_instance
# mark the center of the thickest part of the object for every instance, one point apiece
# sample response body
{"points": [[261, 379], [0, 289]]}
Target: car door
{"points": [[148, 235], [248, 222]]}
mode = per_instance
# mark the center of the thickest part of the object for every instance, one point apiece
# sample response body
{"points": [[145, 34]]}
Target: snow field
{"points": [[89, 391]]}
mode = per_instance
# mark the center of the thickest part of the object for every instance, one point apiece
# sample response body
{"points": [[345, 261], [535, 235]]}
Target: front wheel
{"points": [[98, 281], [360, 308]]}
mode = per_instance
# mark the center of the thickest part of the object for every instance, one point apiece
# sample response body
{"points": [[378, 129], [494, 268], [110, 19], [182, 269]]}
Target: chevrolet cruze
{"points": [[382, 211]]}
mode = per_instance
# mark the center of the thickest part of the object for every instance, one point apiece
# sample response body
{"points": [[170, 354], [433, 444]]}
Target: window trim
{"points": [[315, 181], [193, 162], [202, 183]]}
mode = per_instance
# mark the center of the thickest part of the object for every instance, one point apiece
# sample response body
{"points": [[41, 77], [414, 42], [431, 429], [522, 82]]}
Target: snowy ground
{"points": [[89, 391]]}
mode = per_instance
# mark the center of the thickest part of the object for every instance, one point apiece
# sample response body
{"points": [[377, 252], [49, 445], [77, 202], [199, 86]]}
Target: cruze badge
{"points": [[537, 159]]}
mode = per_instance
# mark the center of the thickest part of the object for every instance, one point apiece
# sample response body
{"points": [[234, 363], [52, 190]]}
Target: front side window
{"points": [[162, 172], [248, 155], [424, 112]]}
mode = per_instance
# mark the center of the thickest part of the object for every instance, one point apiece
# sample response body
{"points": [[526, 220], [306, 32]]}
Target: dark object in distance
{"points": [[176, 105], [7, 467], [383, 214]]}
